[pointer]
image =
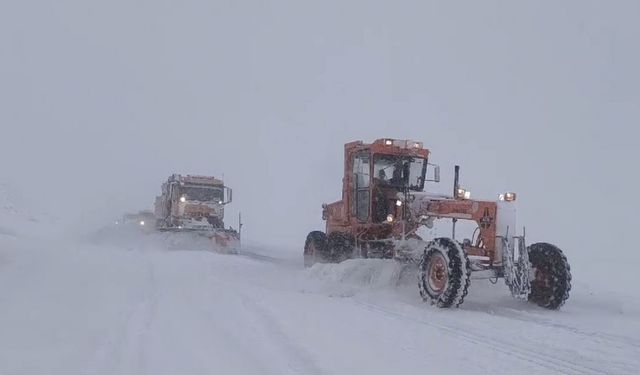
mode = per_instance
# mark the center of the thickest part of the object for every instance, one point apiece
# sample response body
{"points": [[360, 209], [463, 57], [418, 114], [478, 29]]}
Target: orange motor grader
{"points": [[384, 204]]}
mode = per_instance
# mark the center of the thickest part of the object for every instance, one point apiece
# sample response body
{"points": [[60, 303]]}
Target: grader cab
{"points": [[384, 205]]}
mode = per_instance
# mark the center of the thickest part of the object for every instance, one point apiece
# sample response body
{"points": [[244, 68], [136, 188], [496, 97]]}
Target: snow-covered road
{"points": [[98, 309]]}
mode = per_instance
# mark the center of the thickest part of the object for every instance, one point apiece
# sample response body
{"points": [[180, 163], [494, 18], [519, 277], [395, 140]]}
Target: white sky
{"points": [[102, 100]]}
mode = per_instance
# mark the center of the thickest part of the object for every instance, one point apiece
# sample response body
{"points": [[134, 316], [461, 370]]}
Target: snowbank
{"points": [[362, 275]]}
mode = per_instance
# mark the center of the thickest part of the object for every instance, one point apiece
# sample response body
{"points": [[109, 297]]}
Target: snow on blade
{"points": [[353, 276]]}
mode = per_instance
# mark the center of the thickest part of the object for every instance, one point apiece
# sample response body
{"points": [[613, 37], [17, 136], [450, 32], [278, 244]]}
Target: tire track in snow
{"points": [[528, 354], [603, 338], [265, 258], [140, 324], [124, 350], [300, 361]]}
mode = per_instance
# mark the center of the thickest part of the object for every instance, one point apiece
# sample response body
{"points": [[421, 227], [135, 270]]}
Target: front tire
{"points": [[315, 248], [444, 274], [551, 284]]}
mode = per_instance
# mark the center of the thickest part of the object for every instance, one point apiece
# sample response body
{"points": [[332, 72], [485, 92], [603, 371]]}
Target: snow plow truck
{"points": [[196, 204], [384, 204], [143, 220]]}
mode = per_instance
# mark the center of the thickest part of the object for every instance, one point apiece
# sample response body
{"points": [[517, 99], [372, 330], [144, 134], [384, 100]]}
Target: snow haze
{"points": [[101, 100]]}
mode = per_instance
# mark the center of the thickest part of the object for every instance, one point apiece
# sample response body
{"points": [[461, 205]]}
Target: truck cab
{"points": [[192, 203]]}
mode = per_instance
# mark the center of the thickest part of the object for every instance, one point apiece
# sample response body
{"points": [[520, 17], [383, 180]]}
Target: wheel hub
{"points": [[437, 273]]}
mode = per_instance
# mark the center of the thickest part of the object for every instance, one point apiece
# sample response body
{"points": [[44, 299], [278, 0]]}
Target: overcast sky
{"points": [[101, 100]]}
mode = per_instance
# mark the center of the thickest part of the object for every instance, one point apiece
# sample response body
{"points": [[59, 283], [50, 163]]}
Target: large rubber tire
{"points": [[444, 274], [340, 246], [551, 282], [315, 249]]}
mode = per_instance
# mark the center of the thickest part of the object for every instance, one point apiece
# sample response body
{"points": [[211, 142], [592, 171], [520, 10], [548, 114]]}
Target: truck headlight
{"points": [[183, 199], [142, 223], [507, 197], [463, 193], [390, 218], [399, 203]]}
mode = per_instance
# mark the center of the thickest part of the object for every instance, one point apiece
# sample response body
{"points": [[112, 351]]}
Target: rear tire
{"points": [[444, 273], [551, 284], [315, 248], [340, 246]]}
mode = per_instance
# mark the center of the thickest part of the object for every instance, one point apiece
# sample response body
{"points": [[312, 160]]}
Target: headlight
{"points": [[390, 218], [388, 142], [508, 197], [399, 203], [142, 222], [462, 193], [183, 199]]}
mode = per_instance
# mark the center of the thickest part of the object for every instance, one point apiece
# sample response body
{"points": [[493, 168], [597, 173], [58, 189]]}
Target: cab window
{"points": [[361, 182]]}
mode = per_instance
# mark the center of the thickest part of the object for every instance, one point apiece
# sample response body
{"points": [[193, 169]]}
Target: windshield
{"points": [[400, 171], [203, 194]]}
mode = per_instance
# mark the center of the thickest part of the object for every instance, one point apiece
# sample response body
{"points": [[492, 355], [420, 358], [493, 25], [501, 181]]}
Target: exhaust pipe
{"points": [[456, 186], [456, 180]]}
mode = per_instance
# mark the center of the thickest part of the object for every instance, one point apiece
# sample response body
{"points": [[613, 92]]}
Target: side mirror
{"points": [[436, 173], [228, 195]]}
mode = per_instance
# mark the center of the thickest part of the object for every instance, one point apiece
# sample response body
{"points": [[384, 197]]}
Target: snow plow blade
{"points": [[224, 241]]}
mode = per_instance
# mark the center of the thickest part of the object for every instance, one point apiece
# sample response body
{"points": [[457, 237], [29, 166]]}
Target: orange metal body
{"points": [[340, 217]]}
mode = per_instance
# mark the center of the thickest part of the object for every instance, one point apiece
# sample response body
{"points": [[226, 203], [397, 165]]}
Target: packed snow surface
{"points": [[135, 306]]}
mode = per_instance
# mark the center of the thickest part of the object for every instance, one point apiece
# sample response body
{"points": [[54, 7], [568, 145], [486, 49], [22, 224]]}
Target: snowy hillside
{"points": [[19, 220], [8, 214]]}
